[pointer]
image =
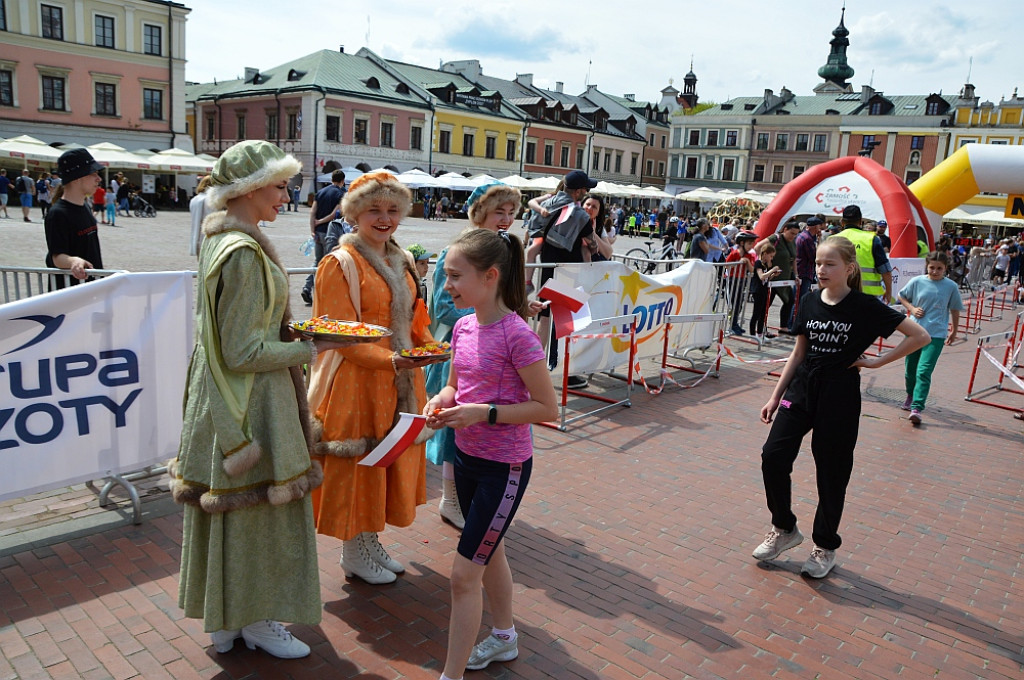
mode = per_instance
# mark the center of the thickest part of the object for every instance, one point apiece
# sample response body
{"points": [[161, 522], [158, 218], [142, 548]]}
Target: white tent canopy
{"points": [[179, 160], [516, 181], [27, 148]]}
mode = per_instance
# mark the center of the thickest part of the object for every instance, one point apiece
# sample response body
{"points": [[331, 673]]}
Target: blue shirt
{"points": [[937, 299]]}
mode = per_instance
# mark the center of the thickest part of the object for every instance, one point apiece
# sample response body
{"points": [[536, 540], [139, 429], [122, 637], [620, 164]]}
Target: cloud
{"points": [[501, 39]]}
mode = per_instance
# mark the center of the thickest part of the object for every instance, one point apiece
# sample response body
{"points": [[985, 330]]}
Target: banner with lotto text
{"points": [[91, 379], [617, 290]]}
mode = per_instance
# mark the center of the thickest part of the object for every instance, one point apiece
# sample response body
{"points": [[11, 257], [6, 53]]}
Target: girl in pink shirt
{"points": [[498, 385]]}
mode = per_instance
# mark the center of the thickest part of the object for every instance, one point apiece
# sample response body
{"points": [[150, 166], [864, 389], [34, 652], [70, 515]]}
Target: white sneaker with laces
{"points": [[224, 640], [777, 542], [819, 563], [491, 649], [274, 639]]}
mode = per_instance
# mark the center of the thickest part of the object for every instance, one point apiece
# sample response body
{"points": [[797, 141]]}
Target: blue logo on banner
{"points": [[50, 325]]}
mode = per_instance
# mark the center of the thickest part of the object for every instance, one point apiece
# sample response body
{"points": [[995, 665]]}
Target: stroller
{"points": [[141, 207]]}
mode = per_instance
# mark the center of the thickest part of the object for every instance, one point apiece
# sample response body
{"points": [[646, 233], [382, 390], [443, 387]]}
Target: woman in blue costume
{"points": [[493, 207]]}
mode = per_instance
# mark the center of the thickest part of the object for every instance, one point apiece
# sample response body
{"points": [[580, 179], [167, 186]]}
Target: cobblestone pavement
{"points": [[631, 553]]}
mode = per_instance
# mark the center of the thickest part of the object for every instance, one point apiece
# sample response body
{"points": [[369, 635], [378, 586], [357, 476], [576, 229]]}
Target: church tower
{"points": [[836, 70], [688, 98]]}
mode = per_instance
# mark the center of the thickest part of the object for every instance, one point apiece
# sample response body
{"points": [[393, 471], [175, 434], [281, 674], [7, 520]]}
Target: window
{"points": [[272, 132], [691, 168], [531, 152], [867, 142], [490, 147], [211, 126], [674, 167], [53, 93], [709, 169], [759, 172], [565, 157], [712, 137], [152, 104], [632, 164], [53, 22], [694, 138], [6, 88], [876, 109], [387, 134], [676, 135], [728, 169], [333, 129], [652, 139], [360, 133], [801, 142], [798, 170], [916, 142], [3, 16], [777, 171], [762, 141], [932, 109], [510, 149], [579, 158], [731, 137], [152, 39], [663, 140], [549, 153], [468, 143], [781, 142], [607, 161], [819, 143], [444, 141], [650, 167], [106, 99], [240, 126], [416, 137], [293, 126], [661, 168], [104, 31], [618, 161], [912, 175]]}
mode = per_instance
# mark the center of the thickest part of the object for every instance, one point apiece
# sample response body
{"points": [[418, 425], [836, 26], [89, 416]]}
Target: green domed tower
{"points": [[836, 70]]}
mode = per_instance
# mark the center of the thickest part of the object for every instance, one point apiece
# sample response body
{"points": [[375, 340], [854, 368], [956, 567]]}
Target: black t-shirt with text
{"points": [[71, 230], [838, 334]]}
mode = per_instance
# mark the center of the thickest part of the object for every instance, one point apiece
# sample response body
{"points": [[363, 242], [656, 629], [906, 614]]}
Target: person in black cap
{"points": [[563, 243], [72, 237], [806, 247], [875, 268]]}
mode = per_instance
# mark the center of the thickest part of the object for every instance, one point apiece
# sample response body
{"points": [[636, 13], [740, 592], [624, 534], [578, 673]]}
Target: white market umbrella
{"points": [[482, 179], [179, 160], [417, 179], [516, 181], [611, 189], [543, 183], [29, 149], [351, 175], [456, 182], [654, 192], [114, 156], [755, 196], [701, 195]]}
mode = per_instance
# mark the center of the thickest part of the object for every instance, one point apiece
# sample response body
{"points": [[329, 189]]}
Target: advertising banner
{"points": [[618, 290], [904, 269], [91, 379]]}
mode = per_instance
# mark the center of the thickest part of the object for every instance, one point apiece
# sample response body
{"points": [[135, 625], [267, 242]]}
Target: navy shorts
{"points": [[489, 494]]}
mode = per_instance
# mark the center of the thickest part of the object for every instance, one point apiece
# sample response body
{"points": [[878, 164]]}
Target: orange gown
{"points": [[361, 406]]}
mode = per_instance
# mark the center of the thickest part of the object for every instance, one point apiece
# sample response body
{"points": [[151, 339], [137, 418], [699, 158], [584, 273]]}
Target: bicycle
{"points": [[638, 257]]}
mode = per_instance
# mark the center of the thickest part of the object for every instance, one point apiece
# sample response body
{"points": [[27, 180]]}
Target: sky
{"points": [[739, 47]]}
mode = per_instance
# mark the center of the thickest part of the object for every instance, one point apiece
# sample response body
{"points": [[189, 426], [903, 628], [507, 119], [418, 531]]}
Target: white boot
{"points": [[224, 640], [357, 561], [449, 506], [274, 639], [379, 554]]}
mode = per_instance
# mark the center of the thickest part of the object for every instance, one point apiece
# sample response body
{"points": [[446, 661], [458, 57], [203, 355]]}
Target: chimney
{"points": [[866, 92], [630, 97], [341, 48], [558, 86], [252, 75], [768, 94], [525, 79]]}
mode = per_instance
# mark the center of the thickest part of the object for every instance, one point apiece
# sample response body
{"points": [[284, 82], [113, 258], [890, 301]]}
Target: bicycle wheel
{"points": [[637, 264]]}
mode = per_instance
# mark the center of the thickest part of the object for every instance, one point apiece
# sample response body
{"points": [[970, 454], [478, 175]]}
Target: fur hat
{"points": [[375, 187], [248, 166]]}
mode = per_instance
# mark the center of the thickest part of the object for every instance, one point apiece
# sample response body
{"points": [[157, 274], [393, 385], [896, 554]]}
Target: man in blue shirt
{"points": [[321, 213]]}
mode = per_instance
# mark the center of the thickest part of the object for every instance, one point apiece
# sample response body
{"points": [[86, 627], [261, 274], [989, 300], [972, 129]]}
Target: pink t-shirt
{"points": [[487, 360]]}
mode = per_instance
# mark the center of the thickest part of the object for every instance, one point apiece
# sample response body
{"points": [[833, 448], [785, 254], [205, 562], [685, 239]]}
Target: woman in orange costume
{"points": [[357, 394]]}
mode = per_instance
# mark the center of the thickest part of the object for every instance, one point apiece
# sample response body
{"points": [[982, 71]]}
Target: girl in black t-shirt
{"points": [[819, 390]]}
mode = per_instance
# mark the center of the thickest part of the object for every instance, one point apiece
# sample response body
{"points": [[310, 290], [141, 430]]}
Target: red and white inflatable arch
{"points": [[852, 180]]}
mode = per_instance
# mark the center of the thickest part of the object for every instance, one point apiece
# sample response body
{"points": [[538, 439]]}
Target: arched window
{"points": [[709, 169]]}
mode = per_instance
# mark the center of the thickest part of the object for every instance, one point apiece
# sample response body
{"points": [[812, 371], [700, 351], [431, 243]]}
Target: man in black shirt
{"points": [[72, 237], [325, 204]]}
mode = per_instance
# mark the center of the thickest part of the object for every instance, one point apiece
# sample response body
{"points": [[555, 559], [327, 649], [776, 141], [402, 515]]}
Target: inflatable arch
{"points": [[852, 180], [970, 170]]}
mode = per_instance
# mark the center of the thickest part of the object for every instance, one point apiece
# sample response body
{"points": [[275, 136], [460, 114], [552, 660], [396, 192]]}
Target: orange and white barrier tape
{"points": [[667, 378], [723, 348], [1007, 372]]}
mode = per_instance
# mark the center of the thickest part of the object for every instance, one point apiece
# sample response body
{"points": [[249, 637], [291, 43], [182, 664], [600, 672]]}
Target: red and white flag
{"points": [[569, 309], [401, 437]]}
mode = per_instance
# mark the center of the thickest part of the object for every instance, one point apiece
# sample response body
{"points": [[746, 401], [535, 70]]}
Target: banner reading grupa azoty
{"points": [[91, 379], [617, 290]]}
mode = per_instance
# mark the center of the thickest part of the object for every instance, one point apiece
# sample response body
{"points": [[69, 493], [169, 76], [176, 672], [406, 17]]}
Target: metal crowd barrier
{"points": [[24, 282]]}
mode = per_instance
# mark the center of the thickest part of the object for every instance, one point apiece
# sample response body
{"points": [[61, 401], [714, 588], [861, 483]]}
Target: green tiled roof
{"points": [[817, 105], [433, 78]]}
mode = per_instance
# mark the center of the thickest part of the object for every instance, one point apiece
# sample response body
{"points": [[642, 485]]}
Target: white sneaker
{"points": [[819, 563], [274, 639], [492, 649], [357, 561], [224, 640], [380, 555], [777, 542]]}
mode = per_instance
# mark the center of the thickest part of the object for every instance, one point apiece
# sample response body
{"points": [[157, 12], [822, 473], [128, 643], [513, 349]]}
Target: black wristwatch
{"points": [[492, 414]]}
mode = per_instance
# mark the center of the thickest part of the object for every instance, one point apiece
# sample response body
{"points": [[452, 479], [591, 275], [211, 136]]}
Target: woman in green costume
{"points": [[243, 470]]}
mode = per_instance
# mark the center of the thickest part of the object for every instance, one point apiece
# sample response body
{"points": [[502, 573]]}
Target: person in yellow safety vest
{"points": [[875, 268]]}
